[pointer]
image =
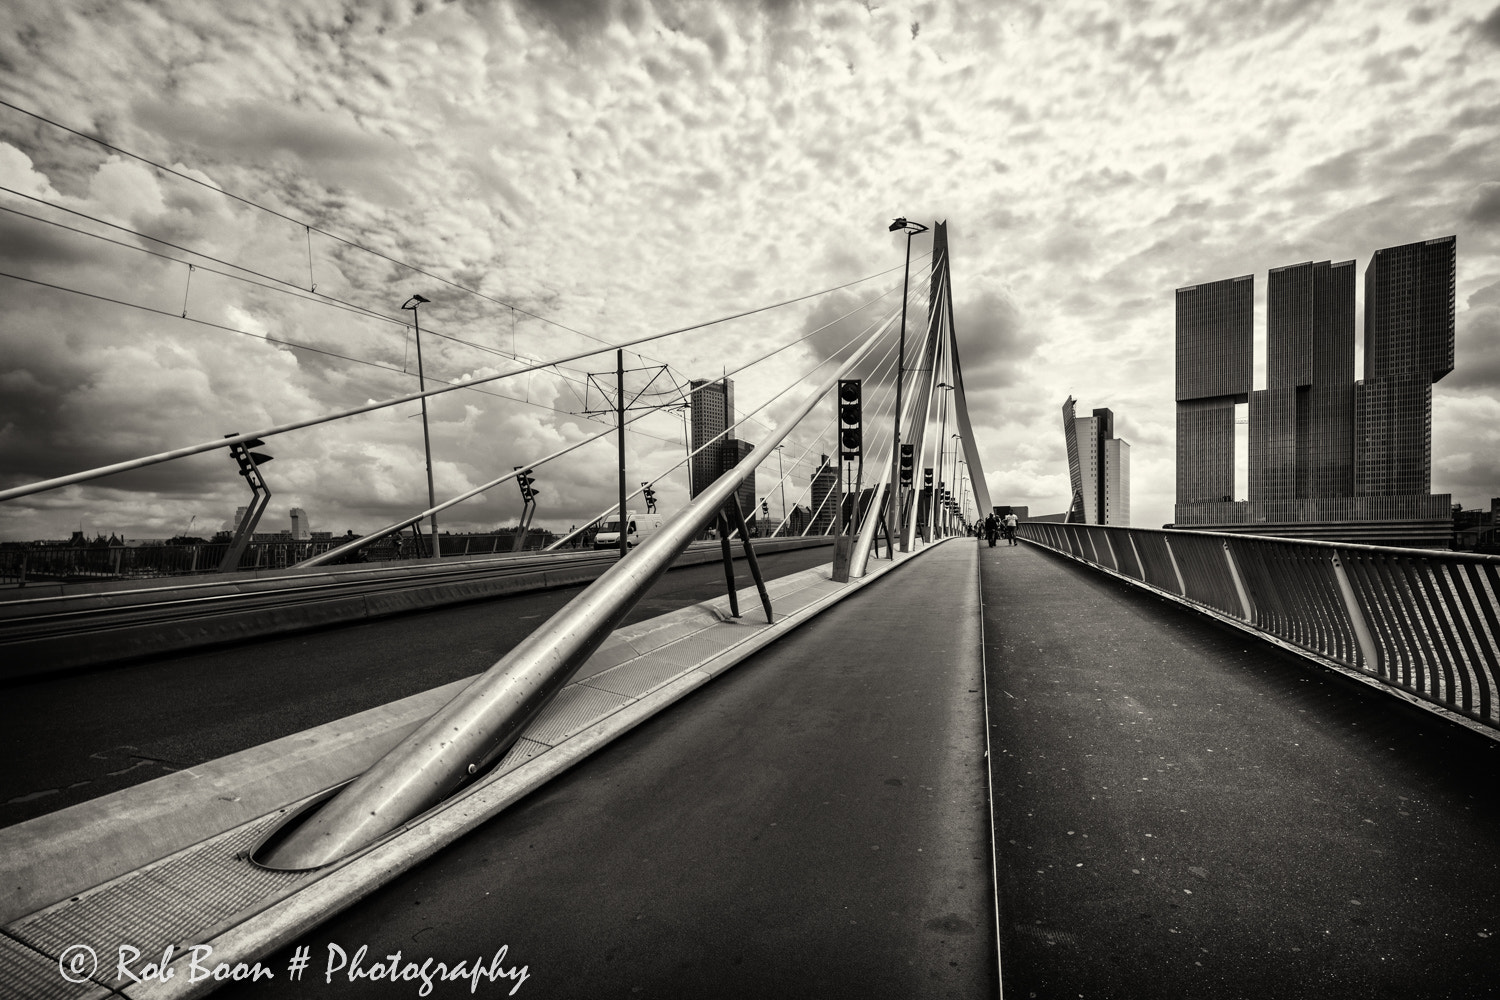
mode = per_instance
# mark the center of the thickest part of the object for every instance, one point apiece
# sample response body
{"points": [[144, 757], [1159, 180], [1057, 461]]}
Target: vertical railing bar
{"points": [[1140, 567], [1317, 616], [1373, 601], [1113, 558], [1470, 633], [1486, 602], [1427, 679], [1444, 608], [1395, 608], [1438, 631]]}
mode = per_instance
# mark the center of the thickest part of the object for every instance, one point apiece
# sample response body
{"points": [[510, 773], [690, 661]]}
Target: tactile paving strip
{"points": [[575, 708], [164, 903], [24, 972]]}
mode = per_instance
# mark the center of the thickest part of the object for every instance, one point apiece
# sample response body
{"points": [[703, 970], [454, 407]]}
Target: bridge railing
{"points": [[1423, 621]]}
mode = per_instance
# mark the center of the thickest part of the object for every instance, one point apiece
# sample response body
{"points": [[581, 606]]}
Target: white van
{"points": [[639, 527]]}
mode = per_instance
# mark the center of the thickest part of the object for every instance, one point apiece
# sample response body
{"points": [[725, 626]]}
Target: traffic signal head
{"points": [[850, 417], [927, 479], [245, 458], [524, 480], [908, 457]]}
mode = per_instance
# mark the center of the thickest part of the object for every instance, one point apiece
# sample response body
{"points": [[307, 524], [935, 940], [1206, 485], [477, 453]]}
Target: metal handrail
{"points": [[480, 725], [1424, 621]]}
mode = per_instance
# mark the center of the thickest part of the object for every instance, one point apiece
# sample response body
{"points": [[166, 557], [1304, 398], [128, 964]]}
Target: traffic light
{"points": [[524, 480], [926, 479], [765, 508], [850, 434], [649, 493], [908, 458], [247, 459]]}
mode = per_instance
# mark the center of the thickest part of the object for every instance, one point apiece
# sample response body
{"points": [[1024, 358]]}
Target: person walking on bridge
{"points": [[1010, 527], [991, 528]]}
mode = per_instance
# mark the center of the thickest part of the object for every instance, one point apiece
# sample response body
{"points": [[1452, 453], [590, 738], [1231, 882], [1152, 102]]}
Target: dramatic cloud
{"points": [[557, 176]]}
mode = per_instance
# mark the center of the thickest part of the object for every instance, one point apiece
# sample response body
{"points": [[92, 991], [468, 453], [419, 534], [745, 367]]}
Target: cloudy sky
{"points": [[574, 173]]}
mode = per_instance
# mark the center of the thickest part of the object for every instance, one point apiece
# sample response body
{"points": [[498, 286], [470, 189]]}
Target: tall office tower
{"points": [[1214, 371], [734, 450], [1409, 293], [1301, 424], [1098, 467], [301, 530], [824, 484], [712, 405]]}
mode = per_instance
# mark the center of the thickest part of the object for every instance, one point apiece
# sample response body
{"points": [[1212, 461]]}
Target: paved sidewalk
{"points": [[1182, 811]]}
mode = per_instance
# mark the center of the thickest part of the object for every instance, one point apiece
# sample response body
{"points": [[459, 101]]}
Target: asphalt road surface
{"points": [[73, 738]]}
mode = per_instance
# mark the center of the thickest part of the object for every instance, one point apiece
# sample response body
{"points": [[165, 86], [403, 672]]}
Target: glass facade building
{"points": [[1328, 456], [1098, 467], [1215, 368], [712, 411]]}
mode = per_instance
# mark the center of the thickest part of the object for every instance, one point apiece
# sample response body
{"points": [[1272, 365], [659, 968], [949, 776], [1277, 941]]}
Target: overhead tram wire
{"points": [[337, 552], [271, 283], [213, 445], [294, 345], [888, 322], [309, 228]]}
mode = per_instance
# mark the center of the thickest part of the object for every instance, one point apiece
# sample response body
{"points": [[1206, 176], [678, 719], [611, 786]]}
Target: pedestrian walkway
{"points": [[1183, 811], [811, 824]]}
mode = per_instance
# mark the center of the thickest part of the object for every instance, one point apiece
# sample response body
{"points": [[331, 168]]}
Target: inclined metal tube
{"points": [[481, 724]]}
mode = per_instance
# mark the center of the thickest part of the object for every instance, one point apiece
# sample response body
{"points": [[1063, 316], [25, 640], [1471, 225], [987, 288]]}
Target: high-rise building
{"points": [[1409, 294], [1098, 467], [301, 529], [1215, 367], [1302, 423], [1328, 457], [712, 408]]}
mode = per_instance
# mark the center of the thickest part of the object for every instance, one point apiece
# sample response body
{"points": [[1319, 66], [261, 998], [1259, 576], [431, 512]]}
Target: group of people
{"points": [[997, 526]]}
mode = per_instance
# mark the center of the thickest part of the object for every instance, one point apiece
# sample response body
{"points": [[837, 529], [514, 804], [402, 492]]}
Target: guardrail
{"points": [[1423, 621]]}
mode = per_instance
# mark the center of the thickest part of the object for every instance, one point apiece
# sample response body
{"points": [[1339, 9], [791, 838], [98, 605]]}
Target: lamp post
{"points": [[412, 304], [897, 494], [780, 469]]}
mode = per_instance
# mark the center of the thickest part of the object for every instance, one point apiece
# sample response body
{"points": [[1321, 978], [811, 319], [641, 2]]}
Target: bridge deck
{"points": [[1182, 811], [812, 823]]}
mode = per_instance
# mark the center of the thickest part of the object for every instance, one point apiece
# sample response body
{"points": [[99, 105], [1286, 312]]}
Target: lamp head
{"points": [[899, 224], [413, 302]]}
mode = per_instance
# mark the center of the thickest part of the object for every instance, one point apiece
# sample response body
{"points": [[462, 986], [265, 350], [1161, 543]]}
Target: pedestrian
{"points": [[1010, 527], [991, 528]]}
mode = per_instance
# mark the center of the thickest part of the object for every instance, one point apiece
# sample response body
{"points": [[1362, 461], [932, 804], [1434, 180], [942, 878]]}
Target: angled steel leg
{"points": [[734, 600], [760, 584]]}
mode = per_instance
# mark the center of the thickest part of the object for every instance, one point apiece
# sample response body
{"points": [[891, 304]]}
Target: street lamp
{"points": [[412, 303], [893, 508], [933, 520]]}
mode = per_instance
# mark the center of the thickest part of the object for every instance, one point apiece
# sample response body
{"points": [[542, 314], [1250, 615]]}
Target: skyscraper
{"points": [[1301, 424], [1329, 457], [301, 529], [1409, 293], [1215, 366], [712, 405], [1098, 467]]}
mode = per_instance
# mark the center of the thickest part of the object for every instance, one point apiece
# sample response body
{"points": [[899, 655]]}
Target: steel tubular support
{"points": [[480, 725], [1181, 587], [724, 546], [760, 583], [1239, 585], [1362, 634]]}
